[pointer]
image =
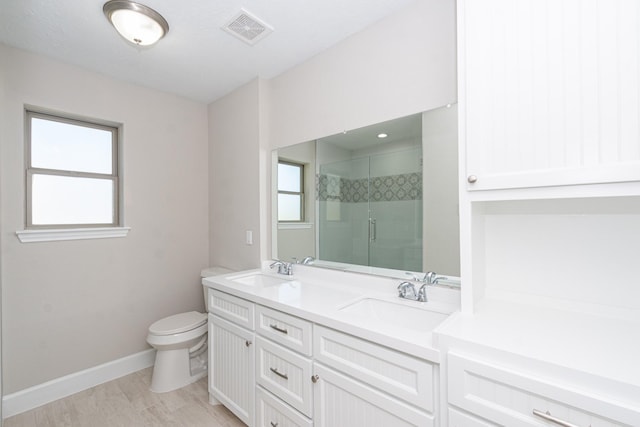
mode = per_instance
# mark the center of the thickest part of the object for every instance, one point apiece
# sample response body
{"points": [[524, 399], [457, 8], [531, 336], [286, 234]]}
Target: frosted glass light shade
{"points": [[135, 22]]}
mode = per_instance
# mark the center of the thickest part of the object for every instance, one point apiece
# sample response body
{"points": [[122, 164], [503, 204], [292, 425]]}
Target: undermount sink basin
{"points": [[257, 279], [400, 315]]}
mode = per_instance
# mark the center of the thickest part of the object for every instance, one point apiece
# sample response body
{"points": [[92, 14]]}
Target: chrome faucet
{"points": [[308, 260], [407, 290], [430, 278], [283, 267]]}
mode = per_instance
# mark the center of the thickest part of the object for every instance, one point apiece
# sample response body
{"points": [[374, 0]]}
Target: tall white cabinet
{"points": [[551, 92], [549, 109]]}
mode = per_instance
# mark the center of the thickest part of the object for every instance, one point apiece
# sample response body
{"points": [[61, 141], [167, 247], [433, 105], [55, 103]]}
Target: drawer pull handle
{"points": [[315, 378], [547, 416], [273, 424], [284, 331], [280, 374]]}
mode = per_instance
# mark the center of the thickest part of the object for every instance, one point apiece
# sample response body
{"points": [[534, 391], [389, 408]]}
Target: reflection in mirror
{"points": [[383, 196], [369, 199]]}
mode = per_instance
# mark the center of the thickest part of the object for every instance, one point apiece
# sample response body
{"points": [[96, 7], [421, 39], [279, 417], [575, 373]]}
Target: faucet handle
{"points": [[413, 276], [407, 290], [422, 293], [430, 277]]}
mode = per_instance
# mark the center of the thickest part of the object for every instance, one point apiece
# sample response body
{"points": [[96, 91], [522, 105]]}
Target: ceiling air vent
{"points": [[247, 27]]}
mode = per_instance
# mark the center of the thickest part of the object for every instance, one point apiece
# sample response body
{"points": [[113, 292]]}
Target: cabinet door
{"points": [[232, 367], [341, 401], [549, 92]]}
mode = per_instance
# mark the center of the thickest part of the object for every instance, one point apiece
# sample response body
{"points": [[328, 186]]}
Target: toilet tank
{"points": [[208, 272]]}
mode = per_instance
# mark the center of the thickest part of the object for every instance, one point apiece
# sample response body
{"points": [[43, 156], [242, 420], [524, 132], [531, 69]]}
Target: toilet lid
{"points": [[178, 323]]}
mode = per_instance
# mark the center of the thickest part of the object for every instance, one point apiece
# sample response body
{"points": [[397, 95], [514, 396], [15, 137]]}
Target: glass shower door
{"points": [[343, 232], [395, 210], [370, 210]]}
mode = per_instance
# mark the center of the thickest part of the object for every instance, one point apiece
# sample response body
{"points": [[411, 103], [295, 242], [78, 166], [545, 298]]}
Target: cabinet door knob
{"points": [[315, 378], [247, 343], [471, 179]]}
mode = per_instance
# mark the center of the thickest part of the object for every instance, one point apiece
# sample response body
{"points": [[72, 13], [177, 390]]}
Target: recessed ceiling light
{"points": [[382, 135], [137, 23]]}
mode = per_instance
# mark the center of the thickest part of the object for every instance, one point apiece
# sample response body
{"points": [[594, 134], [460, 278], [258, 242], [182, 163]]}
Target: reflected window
{"points": [[290, 192], [72, 172]]}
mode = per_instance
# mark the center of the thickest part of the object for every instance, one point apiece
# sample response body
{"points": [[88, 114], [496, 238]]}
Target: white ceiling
{"points": [[197, 59]]}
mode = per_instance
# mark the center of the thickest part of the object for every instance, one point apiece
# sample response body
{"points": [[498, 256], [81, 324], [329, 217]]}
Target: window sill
{"points": [[52, 235], [294, 225]]}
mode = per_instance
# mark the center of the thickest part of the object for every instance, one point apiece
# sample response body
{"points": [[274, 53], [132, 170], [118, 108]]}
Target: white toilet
{"points": [[181, 346], [181, 350]]}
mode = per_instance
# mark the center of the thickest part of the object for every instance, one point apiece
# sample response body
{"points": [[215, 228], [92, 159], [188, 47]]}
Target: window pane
{"points": [[289, 207], [289, 177], [71, 200], [64, 146]]}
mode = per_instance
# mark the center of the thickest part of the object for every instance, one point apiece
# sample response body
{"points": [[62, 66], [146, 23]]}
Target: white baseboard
{"points": [[24, 400]]}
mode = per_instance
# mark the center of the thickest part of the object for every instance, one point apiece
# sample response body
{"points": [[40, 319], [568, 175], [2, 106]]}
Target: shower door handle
{"points": [[372, 230]]}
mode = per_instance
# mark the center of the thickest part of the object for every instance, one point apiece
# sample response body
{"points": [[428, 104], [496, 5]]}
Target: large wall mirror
{"points": [[381, 199]]}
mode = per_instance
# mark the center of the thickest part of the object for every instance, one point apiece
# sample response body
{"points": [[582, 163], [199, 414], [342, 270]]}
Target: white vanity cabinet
{"points": [[274, 369], [232, 353], [360, 383], [510, 395], [549, 92]]}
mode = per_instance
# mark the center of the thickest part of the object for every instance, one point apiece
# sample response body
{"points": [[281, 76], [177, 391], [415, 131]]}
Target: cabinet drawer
{"points": [[398, 374], [508, 397], [289, 331], [285, 374], [341, 401], [234, 309], [271, 412]]}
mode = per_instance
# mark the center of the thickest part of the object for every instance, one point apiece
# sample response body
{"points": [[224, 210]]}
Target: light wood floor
{"points": [[128, 402]]}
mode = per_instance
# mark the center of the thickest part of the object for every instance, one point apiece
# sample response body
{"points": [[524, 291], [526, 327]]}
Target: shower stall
{"points": [[370, 207]]}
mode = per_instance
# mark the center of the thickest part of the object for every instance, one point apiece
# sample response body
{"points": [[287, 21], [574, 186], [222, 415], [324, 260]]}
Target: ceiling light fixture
{"points": [[136, 22]]}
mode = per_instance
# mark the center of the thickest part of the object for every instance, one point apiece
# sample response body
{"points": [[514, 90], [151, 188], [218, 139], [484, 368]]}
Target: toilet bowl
{"points": [[181, 350], [181, 345]]}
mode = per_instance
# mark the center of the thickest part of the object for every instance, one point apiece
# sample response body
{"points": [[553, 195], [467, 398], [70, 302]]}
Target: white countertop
{"points": [[604, 347], [318, 294]]}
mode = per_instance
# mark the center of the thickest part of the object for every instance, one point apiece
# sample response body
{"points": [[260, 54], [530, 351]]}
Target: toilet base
{"points": [[173, 370]]}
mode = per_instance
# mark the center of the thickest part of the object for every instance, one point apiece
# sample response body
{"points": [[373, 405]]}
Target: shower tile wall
{"points": [[391, 188]]}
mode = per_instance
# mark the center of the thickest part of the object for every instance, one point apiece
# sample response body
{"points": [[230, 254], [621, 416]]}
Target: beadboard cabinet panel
{"points": [[341, 401], [550, 92], [232, 367], [510, 397]]}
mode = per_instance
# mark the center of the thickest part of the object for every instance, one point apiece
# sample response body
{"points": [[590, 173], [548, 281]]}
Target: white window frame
{"points": [[52, 232], [296, 193]]}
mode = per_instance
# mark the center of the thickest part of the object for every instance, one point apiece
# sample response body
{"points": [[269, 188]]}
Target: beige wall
{"points": [[402, 65], [68, 306], [234, 176]]}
